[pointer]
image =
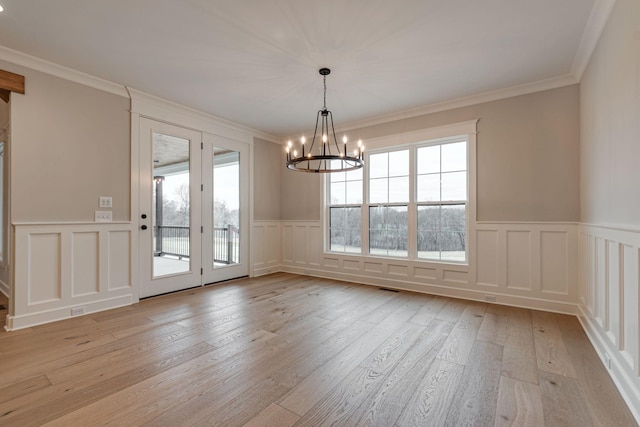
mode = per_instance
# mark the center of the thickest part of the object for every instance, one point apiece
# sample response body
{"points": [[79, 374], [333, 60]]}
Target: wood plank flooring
{"points": [[286, 350]]}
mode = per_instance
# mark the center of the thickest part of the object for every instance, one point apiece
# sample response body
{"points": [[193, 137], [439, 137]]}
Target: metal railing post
{"points": [[229, 244]]}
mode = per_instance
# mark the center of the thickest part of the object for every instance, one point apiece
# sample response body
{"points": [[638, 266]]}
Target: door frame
{"points": [[144, 105]]}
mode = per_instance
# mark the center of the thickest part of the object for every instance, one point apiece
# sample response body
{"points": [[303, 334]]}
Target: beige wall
{"points": [[267, 165], [528, 158], [610, 123], [300, 195], [70, 145]]}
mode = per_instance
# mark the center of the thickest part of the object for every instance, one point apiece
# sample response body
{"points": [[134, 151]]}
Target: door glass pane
{"points": [[226, 207], [171, 207]]}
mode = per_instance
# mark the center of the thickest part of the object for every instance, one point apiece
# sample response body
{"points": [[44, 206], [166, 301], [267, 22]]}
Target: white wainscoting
{"points": [[532, 265], [609, 303], [64, 266], [266, 254]]}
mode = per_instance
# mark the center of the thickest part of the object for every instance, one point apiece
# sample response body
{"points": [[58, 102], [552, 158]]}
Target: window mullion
{"points": [[412, 214]]}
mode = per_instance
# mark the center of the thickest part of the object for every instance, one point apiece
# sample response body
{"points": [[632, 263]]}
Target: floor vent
{"points": [[389, 290]]}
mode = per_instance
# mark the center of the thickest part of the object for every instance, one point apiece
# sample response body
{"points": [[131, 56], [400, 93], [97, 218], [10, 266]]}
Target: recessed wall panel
{"points": [[314, 245], [613, 251], [459, 277], [519, 260], [601, 281], [425, 273], [287, 244], [85, 257], [630, 304], [554, 262], [348, 264], [119, 250], [487, 256], [258, 245], [44, 274], [300, 245], [272, 249], [373, 267], [398, 270]]}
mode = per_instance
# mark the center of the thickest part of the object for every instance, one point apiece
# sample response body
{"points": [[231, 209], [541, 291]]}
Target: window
{"points": [[411, 202], [441, 198], [388, 203], [345, 195]]}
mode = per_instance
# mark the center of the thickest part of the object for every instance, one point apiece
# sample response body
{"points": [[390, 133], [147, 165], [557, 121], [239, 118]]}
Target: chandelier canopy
{"points": [[328, 157]]}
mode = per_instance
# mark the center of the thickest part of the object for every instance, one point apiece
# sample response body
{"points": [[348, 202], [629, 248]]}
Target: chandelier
{"points": [[329, 157]]}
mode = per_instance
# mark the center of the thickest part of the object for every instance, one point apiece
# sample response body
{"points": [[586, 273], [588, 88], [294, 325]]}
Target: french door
{"points": [[225, 192], [193, 208]]}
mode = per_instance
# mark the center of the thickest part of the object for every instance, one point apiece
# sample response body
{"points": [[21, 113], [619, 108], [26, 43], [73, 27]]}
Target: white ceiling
{"points": [[255, 62]]}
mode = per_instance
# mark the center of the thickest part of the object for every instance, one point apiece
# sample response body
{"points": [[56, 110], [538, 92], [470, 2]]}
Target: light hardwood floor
{"points": [[284, 350]]}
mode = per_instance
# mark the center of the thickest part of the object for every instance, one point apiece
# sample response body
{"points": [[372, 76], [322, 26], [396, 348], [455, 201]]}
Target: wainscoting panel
{"points": [[526, 264], [43, 273], [266, 254], [70, 269], [85, 259], [554, 265], [519, 260], [487, 259], [609, 303], [119, 260]]}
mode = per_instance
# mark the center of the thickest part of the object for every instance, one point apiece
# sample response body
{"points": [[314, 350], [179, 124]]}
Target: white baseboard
{"points": [[38, 318], [432, 289]]}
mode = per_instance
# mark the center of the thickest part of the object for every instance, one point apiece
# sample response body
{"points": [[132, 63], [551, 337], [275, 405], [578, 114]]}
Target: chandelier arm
{"points": [[335, 140], [315, 131]]}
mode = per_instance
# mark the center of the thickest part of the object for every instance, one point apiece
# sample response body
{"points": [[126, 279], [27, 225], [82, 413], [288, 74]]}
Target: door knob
{"points": [[144, 227]]}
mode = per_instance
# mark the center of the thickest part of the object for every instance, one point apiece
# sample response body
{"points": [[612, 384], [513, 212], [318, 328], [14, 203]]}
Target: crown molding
{"points": [[63, 72], [598, 19], [44, 66], [155, 107], [466, 101]]}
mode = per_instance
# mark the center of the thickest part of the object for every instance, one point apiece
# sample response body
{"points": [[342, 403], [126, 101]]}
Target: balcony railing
{"points": [[174, 241]]}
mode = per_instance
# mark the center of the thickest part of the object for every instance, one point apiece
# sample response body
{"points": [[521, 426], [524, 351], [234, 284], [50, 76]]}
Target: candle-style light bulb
{"points": [[359, 143], [324, 138], [303, 140], [289, 144], [344, 139], [295, 153], [355, 152]]}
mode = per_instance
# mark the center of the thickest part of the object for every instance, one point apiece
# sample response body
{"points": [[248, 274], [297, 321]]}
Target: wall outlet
{"points": [[490, 298], [77, 311], [104, 216], [106, 202]]}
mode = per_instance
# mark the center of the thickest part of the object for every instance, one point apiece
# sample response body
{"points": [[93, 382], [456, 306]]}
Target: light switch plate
{"points": [[106, 202], [104, 216]]}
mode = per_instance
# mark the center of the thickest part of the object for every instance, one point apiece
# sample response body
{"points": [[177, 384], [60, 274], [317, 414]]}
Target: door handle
{"points": [[144, 227]]}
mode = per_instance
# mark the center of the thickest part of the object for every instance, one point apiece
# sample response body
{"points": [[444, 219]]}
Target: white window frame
{"points": [[413, 140]]}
